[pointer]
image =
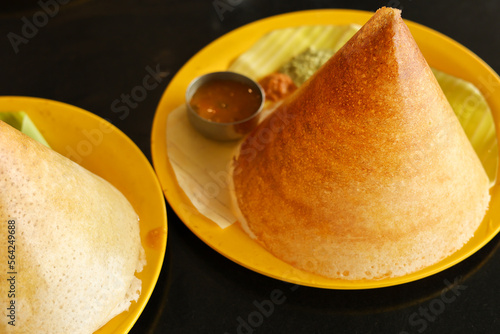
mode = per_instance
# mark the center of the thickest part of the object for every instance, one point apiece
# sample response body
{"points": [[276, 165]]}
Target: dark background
{"points": [[92, 51]]}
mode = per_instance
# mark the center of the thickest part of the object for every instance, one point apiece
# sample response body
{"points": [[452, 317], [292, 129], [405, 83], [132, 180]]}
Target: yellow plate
{"points": [[106, 151], [441, 53]]}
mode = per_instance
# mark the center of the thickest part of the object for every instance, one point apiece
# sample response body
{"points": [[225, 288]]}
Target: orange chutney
{"points": [[225, 101]]}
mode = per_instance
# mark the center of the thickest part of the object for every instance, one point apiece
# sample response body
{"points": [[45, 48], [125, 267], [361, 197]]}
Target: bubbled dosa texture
{"points": [[77, 241], [364, 172]]}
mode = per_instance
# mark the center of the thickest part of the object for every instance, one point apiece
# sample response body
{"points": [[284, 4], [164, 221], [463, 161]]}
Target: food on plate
{"points": [[364, 172], [294, 73], [277, 86], [75, 242], [465, 98], [224, 105], [225, 101], [305, 64], [278, 46], [22, 122]]}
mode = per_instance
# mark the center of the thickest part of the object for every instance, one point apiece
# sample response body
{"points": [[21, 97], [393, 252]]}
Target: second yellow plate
{"points": [[441, 53]]}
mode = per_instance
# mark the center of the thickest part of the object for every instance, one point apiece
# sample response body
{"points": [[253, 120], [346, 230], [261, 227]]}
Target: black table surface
{"points": [[89, 52]]}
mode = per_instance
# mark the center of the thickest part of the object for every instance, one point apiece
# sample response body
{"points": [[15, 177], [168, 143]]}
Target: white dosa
{"points": [[77, 242], [364, 172]]}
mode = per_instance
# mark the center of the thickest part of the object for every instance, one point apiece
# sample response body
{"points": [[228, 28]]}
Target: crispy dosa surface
{"points": [[365, 171], [77, 241]]}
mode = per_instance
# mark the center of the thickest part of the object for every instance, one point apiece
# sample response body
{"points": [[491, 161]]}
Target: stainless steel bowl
{"points": [[217, 130]]}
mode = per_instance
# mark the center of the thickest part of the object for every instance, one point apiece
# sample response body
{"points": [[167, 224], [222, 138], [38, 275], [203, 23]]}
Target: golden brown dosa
{"points": [[364, 172], [77, 242]]}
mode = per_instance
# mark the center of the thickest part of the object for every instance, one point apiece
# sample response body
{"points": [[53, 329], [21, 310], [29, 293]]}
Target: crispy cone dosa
{"points": [[77, 242], [365, 171]]}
